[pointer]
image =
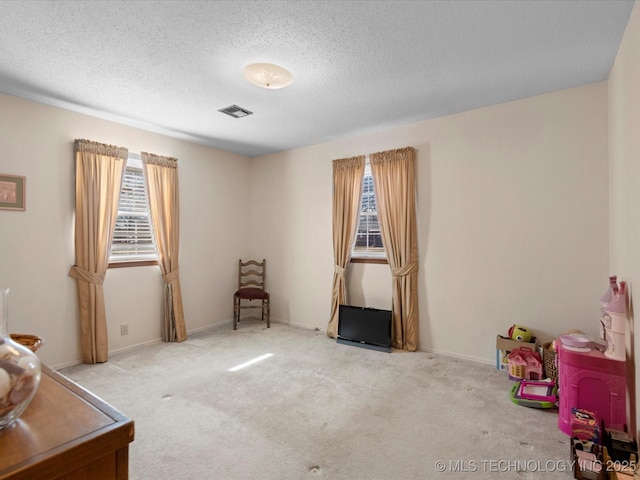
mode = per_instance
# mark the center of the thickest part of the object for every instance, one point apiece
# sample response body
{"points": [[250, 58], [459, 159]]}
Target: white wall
{"points": [[36, 246], [624, 151], [512, 222], [512, 206]]}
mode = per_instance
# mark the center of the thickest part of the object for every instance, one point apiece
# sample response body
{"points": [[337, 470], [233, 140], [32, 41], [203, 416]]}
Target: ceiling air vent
{"points": [[235, 111]]}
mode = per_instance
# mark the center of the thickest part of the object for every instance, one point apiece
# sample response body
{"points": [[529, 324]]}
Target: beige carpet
{"points": [[316, 409]]}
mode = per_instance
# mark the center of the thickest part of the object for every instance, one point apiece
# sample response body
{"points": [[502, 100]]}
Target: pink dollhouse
{"points": [[525, 364]]}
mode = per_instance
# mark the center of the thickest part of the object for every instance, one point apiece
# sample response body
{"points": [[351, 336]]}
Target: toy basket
{"points": [[550, 362]]}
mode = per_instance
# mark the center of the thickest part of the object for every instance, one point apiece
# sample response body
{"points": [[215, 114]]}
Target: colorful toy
{"points": [[584, 425], [593, 381], [504, 345], [520, 333], [525, 364], [535, 394]]}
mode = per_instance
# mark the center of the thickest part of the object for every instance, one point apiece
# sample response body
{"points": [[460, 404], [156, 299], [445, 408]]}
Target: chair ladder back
{"points": [[251, 273], [248, 276]]}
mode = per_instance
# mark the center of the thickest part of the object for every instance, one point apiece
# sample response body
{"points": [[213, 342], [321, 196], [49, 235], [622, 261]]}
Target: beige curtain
{"points": [[161, 176], [394, 178], [347, 189], [99, 172]]}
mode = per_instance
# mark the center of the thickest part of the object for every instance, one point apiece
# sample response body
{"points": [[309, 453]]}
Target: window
{"points": [[133, 240], [368, 242]]}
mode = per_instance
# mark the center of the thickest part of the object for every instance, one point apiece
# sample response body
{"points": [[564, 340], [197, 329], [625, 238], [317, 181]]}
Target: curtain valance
{"points": [[81, 145], [153, 159]]}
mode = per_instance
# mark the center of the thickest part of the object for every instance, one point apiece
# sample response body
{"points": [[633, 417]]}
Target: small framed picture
{"points": [[12, 192]]}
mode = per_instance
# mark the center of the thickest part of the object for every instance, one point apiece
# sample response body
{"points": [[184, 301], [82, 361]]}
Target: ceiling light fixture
{"points": [[267, 75]]}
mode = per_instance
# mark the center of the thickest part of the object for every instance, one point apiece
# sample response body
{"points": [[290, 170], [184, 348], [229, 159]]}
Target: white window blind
{"points": [[133, 237], [368, 242]]}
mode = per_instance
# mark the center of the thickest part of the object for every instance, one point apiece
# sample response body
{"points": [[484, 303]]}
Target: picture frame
{"points": [[12, 192]]}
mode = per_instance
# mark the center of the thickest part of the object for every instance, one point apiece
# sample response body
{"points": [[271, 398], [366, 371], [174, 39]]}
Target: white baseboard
{"points": [[60, 366], [457, 355], [128, 348], [282, 322], [210, 326], [426, 350]]}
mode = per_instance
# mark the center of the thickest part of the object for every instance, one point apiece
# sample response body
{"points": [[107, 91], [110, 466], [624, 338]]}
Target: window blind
{"points": [[368, 241], [133, 236]]}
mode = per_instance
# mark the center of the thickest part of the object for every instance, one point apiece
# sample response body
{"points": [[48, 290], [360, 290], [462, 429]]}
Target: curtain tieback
{"points": [[86, 276], [405, 270], [171, 276], [339, 270]]}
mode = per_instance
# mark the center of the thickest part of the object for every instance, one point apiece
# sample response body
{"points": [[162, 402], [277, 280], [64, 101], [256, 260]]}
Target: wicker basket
{"points": [[550, 362], [32, 342]]}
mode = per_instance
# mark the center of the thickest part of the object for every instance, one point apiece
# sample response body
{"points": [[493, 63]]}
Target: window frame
{"points": [[134, 161], [379, 257]]}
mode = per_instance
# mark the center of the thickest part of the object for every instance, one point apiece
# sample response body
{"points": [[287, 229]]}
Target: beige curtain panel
{"points": [[99, 172], [394, 178], [347, 189], [161, 175]]}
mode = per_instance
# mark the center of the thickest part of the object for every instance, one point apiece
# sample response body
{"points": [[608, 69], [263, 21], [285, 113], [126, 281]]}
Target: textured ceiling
{"points": [[359, 66]]}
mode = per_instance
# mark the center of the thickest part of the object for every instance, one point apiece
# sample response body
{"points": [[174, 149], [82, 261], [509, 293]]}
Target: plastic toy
{"points": [[535, 394], [584, 425], [525, 364], [520, 333]]}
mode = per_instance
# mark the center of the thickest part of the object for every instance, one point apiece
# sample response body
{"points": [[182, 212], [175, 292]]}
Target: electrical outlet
{"points": [[124, 329]]}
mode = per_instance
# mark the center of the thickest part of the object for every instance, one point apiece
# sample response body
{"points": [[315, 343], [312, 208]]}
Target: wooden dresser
{"points": [[66, 433]]}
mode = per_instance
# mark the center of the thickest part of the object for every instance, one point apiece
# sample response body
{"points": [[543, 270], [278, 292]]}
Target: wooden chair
{"points": [[251, 276]]}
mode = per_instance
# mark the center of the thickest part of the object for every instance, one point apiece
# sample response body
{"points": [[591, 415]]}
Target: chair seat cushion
{"points": [[252, 293]]}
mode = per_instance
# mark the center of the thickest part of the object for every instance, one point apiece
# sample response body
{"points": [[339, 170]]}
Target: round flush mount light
{"points": [[267, 75]]}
